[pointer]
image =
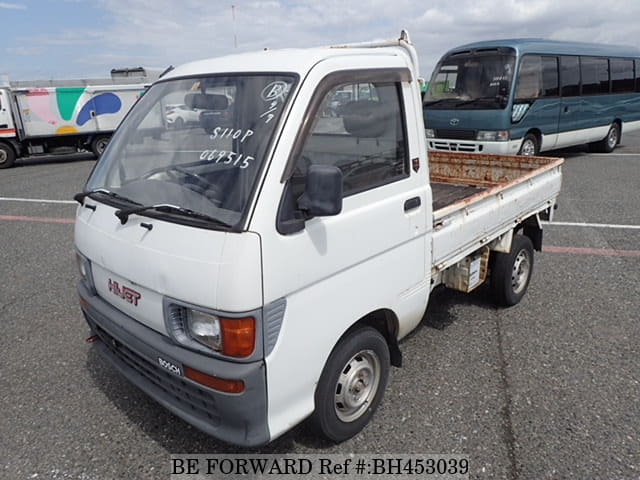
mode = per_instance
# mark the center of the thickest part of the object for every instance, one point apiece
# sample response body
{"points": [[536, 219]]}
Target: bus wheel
{"points": [[608, 143], [511, 272], [352, 384], [529, 145], [7, 156]]}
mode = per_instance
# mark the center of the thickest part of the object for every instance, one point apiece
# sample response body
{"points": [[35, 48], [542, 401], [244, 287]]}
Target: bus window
{"points": [[479, 80], [538, 77], [570, 76], [550, 77], [529, 77], [595, 75], [621, 75]]}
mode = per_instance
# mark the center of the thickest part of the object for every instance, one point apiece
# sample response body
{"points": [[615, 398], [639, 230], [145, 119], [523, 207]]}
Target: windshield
{"points": [[196, 143], [471, 81]]}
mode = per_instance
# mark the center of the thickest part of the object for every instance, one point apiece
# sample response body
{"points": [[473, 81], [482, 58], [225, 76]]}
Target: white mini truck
{"points": [[261, 266]]}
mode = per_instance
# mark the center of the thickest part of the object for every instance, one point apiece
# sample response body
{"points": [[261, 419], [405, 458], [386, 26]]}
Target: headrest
{"points": [[205, 101], [366, 118]]}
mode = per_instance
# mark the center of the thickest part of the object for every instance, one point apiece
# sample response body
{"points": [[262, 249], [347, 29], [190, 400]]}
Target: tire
{"points": [[608, 143], [99, 144], [352, 384], [529, 145], [7, 156], [178, 124], [511, 272]]}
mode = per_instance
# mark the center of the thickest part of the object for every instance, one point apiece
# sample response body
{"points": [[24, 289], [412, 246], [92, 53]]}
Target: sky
{"points": [[59, 39]]}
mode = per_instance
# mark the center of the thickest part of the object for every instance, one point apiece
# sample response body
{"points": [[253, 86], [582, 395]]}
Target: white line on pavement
{"points": [[593, 225], [36, 200]]}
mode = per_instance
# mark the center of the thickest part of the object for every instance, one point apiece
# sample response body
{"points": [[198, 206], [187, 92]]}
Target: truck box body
{"points": [[45, 112], [261, 266], [68, 117]]}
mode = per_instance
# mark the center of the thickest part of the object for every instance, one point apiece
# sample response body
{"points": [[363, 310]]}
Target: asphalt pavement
{"points": [[548, 389]]}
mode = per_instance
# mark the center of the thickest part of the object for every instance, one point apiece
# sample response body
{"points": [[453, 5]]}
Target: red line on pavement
{"points": [[592, 251], [37, 219]]}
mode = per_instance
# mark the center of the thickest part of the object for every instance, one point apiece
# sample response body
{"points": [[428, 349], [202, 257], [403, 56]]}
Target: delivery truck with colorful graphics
{"points": [[37, 118]]}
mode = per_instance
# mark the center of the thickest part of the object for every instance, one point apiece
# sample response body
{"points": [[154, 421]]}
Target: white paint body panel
{"points": [[7, 126], [202, 267]]}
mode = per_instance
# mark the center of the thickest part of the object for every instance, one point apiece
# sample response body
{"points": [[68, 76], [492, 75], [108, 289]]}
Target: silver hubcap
{"points": [[3, 156], [521, 270], [528, 148], [357, 385], [101, 145], [612, 139]]}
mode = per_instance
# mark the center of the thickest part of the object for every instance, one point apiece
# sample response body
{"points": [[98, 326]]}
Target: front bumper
{"points": [[135, 349]]}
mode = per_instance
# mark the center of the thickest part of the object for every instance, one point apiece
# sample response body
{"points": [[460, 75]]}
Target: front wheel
{"points": [[529, 145], [352, 384], [511, 272], [7, 156]]}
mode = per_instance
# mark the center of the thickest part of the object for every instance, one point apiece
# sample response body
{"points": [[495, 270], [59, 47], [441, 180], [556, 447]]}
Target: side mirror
{"points": [[322, 196]]}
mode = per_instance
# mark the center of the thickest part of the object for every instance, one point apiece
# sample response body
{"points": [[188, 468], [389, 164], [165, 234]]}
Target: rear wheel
{"points": [[7, 156], [99, 144], [608, 143], [511, 272], [352, 384]]}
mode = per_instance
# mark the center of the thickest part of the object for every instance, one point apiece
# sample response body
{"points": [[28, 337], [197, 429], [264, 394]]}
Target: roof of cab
{"points": [[557, 47], [293, 60]]}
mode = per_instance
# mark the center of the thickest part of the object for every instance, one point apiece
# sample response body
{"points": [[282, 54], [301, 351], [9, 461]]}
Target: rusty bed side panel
{"points": [[487, 170], [494, 172]]}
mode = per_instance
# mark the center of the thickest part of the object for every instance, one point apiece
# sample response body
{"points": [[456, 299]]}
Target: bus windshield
{"points": [[194, 146], [472, 80]]}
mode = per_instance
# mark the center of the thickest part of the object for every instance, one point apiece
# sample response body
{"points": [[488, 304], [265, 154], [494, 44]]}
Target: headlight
{"points": [[493, 135], [84, 267], [206, 331], [430, 133], [205, 328]]}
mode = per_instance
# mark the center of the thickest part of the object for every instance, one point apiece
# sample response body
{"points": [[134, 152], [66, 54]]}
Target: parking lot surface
{"points": [[548, 389]]}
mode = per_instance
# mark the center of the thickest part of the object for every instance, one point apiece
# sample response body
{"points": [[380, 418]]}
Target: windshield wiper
{"points": [[474, 100], [431, 103], [79, 197], [124, 213]]}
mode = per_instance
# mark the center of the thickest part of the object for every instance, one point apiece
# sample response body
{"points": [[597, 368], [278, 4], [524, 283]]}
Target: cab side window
{"points": [[359, 128]]}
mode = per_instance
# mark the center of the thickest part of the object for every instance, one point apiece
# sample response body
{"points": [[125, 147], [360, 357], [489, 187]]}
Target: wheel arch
{"points": [[386, 322], [537, 133], [532, 228]]}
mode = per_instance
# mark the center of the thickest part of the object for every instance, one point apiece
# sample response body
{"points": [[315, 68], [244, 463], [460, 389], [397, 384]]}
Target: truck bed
{"points": [[478, 197]]}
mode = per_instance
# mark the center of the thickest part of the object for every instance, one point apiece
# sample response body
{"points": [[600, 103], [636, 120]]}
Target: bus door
{"points": [[571, 105], [537, 101]]}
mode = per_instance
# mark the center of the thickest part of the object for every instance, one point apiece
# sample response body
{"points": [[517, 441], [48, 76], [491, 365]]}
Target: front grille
{"points": [[183, 395], [454, 146], [456, 133]]}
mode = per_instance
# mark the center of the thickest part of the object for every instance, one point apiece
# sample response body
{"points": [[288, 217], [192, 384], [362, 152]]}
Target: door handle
{"points": [[412, 204]]}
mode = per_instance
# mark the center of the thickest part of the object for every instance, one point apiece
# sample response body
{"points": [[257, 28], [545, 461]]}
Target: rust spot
{"points": [[484, 170]]}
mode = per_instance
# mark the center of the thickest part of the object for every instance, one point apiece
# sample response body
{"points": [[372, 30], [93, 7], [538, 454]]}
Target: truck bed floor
{"points": [[447, 193]]}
